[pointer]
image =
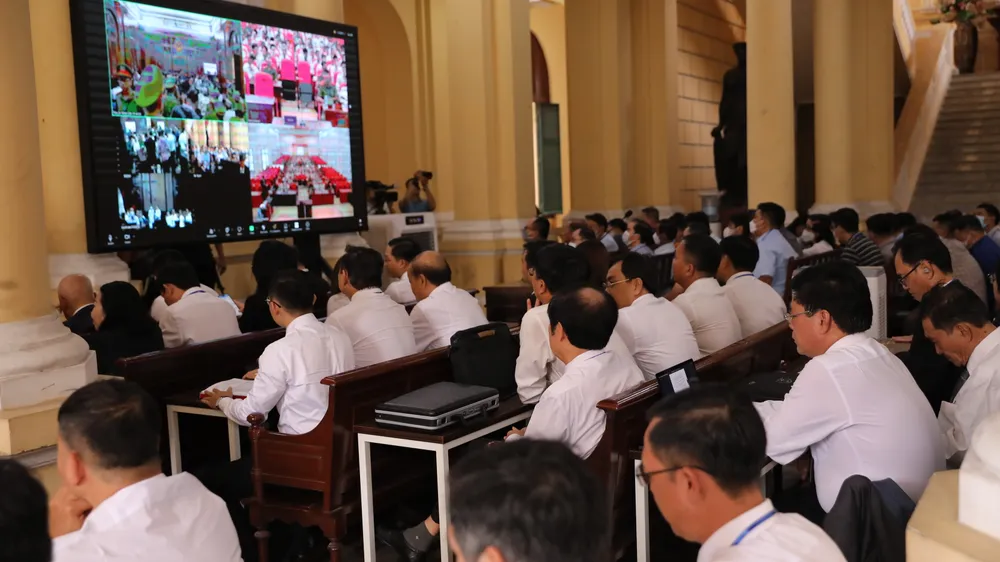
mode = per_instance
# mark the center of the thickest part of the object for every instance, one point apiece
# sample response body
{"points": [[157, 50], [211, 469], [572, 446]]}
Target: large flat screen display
{"points": [[211, 121]]}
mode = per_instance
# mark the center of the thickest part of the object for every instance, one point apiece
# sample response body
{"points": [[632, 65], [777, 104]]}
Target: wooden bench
{"points": [[314, 479], [506, 303], [190, 369], [794, 264], [626, 414]]}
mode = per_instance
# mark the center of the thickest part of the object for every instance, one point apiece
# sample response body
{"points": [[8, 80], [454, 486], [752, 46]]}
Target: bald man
{"points": [[76, 301], [443, 309]]}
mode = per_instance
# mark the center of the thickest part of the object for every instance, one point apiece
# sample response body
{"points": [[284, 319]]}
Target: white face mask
{"points": [[572, 244], [808, 237], [982, 220], [626, 238], [727, 232], [753, 227]]}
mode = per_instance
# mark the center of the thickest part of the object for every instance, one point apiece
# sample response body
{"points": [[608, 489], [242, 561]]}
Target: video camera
{"points": [[382, 196]]}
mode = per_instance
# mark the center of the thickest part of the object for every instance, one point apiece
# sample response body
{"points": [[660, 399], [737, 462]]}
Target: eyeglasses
{"points": [[269, 301], [609, 284], [643, 476], [902, 280], [789, 316]]}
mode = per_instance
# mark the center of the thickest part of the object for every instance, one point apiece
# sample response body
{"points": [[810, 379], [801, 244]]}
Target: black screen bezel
{"points": [[83, 45]]}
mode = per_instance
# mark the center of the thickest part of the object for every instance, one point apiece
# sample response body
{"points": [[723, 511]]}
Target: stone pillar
{"points": [[770, 103], [41, 362], [480, 83], [59, 141], [854, 104]]}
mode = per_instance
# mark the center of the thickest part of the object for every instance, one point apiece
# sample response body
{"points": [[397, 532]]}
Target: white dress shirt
{"points": [[756, 304], [609, 242], [290, 374], [379, 328], [782, 537], [159, 310], [818, 248], [400, 290], [712, 317], [447, 310], [567, 411], [657, 334], [161, 519], [978, 398], [200, 316], [664, 249], [537, 367], [336, 302], [857, 408]]}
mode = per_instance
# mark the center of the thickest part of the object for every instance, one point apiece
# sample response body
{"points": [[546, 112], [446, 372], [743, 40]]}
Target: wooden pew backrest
{"points": [[506, 303], [797, 263]]}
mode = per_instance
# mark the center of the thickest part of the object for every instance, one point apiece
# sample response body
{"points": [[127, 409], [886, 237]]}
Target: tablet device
{"points": [[229, 300], [677, 378]]}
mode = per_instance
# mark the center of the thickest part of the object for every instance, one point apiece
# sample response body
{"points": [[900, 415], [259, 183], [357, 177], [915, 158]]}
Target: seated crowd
{"points": [[604, 317]]}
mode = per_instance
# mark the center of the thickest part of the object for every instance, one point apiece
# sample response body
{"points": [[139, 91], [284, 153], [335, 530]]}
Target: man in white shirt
{"points": [[194, 315], [379, 328], [701, 458], [854, 406], [552, 269], [398, 255], [443, 309], [958, 324], [655, 330], [536, 489], [599, 224], [583, 322], [667, 232], [291, 370], [756, 303], [703, 301], [115, 505]]}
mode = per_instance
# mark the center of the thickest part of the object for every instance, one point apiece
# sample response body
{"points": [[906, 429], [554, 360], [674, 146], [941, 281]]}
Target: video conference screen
{"points": [[210, 121]]}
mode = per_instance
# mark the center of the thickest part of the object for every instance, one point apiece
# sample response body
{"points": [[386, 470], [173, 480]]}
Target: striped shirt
{"points": [[861, 251]]}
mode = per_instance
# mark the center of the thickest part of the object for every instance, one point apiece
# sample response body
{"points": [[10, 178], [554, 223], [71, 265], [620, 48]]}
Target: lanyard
{"points": [[753, 526], [196, 292]]}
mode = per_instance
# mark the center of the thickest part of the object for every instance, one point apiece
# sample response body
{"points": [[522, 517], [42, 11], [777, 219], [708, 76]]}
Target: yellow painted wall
{"points": [[707, 31], [548, 23]]}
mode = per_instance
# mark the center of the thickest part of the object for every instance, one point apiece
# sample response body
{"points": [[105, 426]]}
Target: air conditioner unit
{"points": [[877, 287], [418, 226]]}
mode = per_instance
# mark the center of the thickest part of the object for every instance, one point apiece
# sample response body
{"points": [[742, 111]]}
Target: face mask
{"points": [[626, 238], [808, 237], [727, 232], [753, 227], [572, 244], [982, 221]]}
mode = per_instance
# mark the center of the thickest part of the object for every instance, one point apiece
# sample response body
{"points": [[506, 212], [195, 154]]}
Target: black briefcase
{"points": [[437, 406], [485, 356]]}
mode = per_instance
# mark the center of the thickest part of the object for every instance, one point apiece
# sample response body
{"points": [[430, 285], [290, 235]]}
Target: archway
{"points": [[386, 91]]}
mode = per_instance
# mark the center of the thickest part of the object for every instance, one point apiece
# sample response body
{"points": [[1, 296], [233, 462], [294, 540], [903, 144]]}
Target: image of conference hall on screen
{"points": [[293, 77], [173, 64], [300, 172]]}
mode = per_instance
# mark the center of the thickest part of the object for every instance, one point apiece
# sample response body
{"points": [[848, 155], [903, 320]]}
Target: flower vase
{"points": [[966, 46]]}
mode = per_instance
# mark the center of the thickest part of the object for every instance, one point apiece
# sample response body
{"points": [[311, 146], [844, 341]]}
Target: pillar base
{"points": [[864, 208], [100, 268], [41, 360]]}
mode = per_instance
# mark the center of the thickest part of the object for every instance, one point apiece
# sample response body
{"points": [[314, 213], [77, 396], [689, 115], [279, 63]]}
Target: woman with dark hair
{"points": [[639, 237], [124, 326], [821, 236], [738, 225], [599, 261], [272, 257]]}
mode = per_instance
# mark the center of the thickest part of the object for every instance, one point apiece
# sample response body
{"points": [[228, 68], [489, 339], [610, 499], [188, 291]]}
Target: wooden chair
{"points": [[506, 303], [795, 264], [626, 416]]}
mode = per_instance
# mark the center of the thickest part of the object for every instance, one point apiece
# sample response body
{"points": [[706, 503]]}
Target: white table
{"points": [[174, 437], [642, 509], [440, 444]]}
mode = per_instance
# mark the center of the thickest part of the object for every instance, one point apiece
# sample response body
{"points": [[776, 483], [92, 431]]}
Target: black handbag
{"points": [[485, 356]]}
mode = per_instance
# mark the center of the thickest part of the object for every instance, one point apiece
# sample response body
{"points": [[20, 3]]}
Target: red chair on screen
{"points": [[263, 85], [305, 72], [287, 70]]}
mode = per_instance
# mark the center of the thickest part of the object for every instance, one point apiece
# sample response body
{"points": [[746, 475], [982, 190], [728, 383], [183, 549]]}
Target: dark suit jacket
{"points": [[81, 323], [112, 345], [868, 520]]}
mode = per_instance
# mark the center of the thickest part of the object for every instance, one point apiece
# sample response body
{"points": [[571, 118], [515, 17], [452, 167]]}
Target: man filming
{"points": [[412, 202]]}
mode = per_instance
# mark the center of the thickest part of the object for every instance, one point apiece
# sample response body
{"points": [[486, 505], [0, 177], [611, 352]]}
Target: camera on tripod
{"points": [[381, 197]]}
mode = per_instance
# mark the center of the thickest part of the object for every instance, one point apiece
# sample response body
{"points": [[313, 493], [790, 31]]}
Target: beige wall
{"points": [[548, 23], [707, 31]]}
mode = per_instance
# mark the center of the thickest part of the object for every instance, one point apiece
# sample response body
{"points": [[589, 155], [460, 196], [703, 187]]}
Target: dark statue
{"points": [[731, 134]]}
